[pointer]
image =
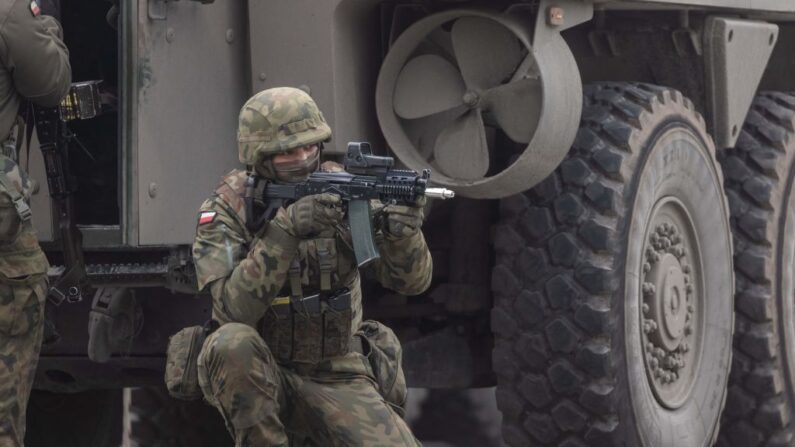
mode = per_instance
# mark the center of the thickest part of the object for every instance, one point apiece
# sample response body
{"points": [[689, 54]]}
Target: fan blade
{"points": [[516, 107], [461, 150], [428, 84], [438, 42], [423, 131], [487, 52]]}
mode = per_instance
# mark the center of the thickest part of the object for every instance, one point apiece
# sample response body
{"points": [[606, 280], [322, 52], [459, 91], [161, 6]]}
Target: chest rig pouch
{"points": [[12, 214], [307, 328]]}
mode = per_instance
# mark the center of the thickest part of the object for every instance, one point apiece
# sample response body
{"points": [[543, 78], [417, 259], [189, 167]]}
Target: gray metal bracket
{"points": [[736, 54], [555, 16], [157, 9], [687, 41]]}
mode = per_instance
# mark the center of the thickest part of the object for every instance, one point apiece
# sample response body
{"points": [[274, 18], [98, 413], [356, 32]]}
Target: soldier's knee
{"points": [[234, 344]]}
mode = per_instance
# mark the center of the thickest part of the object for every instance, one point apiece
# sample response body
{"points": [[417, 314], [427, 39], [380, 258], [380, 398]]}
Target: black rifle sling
{"points": [[258, 210]]}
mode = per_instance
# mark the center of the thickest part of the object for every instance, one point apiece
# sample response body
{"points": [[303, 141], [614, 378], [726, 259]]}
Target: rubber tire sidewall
{"points": [[785, 287], [676, 161], [759, 182]]}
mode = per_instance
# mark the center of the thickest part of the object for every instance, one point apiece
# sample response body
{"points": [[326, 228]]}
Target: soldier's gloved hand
{"points": [[402, 221], [310, 215]]}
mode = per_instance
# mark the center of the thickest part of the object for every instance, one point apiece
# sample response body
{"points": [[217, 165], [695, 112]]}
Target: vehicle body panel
{"points": [[190, 86]]}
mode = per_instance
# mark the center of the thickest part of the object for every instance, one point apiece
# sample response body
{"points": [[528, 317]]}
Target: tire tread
{"points": [[759, 412], [585, 198]]}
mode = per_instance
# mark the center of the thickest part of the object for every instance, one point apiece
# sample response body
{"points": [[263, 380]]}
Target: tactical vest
{"points": [[20, 254], [312, 319]]}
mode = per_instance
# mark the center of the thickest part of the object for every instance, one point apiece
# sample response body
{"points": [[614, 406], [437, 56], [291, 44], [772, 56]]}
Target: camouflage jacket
{"points": [[34, 62], [245, 272], [20, 254]]}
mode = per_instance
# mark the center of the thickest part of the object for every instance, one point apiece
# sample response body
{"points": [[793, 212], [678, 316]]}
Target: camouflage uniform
{"points": [[23, 287], [34, 65], [269, 391]]}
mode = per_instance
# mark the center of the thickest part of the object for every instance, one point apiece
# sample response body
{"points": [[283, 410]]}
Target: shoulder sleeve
{"points": [[32, 50], [218, 243], [244, 273], [221, 235]]}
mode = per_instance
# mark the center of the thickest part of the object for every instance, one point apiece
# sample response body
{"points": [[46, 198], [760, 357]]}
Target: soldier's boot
{"points": [[240, 377]]}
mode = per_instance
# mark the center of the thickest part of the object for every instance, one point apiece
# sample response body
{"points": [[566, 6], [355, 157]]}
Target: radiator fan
{"points": [[461, 92]]}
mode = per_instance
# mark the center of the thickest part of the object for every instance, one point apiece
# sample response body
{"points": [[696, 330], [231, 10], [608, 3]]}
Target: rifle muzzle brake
{"points": [[439, 193]]}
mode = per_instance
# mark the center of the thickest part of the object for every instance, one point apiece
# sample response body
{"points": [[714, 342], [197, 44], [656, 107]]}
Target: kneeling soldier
{"points": [[293, 358]]}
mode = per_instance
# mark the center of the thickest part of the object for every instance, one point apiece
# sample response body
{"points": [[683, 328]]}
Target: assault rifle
{"points": [[82, 102], [366, 177], [53, 142]]}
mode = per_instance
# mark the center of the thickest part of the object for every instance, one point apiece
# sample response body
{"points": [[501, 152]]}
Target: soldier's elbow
{"points": [[51, 90]]}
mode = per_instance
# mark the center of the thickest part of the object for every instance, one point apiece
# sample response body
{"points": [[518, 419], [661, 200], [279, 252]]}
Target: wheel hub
{"points": [[668, 305], [668, 309]]}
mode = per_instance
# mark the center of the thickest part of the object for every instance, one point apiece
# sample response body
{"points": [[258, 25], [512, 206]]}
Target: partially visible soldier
{"points": [[34, 66], [292, 359]]}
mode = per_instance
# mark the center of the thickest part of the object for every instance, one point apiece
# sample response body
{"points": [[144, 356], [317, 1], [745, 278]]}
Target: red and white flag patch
{"points": [[34, 8], [207, 217]]}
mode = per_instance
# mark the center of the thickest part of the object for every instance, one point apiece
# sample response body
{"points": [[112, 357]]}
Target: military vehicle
{"points": [[619, 257]]}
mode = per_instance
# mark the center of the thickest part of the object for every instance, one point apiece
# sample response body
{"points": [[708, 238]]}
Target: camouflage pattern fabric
{"points": [[20, 254], [245, 272], [181, 354], [402, 220], [385, 356], [34, 62], [21, 330], [23, 288], [334, 403], [277, 120], [310, 215]]}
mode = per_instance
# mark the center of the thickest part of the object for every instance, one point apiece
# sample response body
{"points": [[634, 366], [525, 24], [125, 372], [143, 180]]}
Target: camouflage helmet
{"points": [[276, 120]]}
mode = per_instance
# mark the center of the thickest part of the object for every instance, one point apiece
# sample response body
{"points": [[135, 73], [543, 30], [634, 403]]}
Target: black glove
{"points": [[310, 215], [402, 221], [50, 8]]}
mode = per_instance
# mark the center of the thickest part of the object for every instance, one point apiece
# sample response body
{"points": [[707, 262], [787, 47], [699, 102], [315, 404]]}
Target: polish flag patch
{"points": [[207, 217], [34, 8]]}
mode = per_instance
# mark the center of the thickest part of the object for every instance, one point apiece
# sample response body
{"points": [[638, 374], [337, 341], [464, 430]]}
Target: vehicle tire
{"points": [[158, 420], [759, 183], [86, 419], [613, 286]]}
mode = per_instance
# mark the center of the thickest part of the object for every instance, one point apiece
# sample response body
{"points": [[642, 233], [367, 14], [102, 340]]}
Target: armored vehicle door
{"points": [[187, 82]]}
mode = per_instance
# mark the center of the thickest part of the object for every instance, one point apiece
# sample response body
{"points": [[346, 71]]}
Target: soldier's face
{"points": [[297, 164], [298, 154]]}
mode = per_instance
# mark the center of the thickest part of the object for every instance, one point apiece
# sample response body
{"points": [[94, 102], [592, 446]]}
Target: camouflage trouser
{"points": [[21, 328], [264, 404]]}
